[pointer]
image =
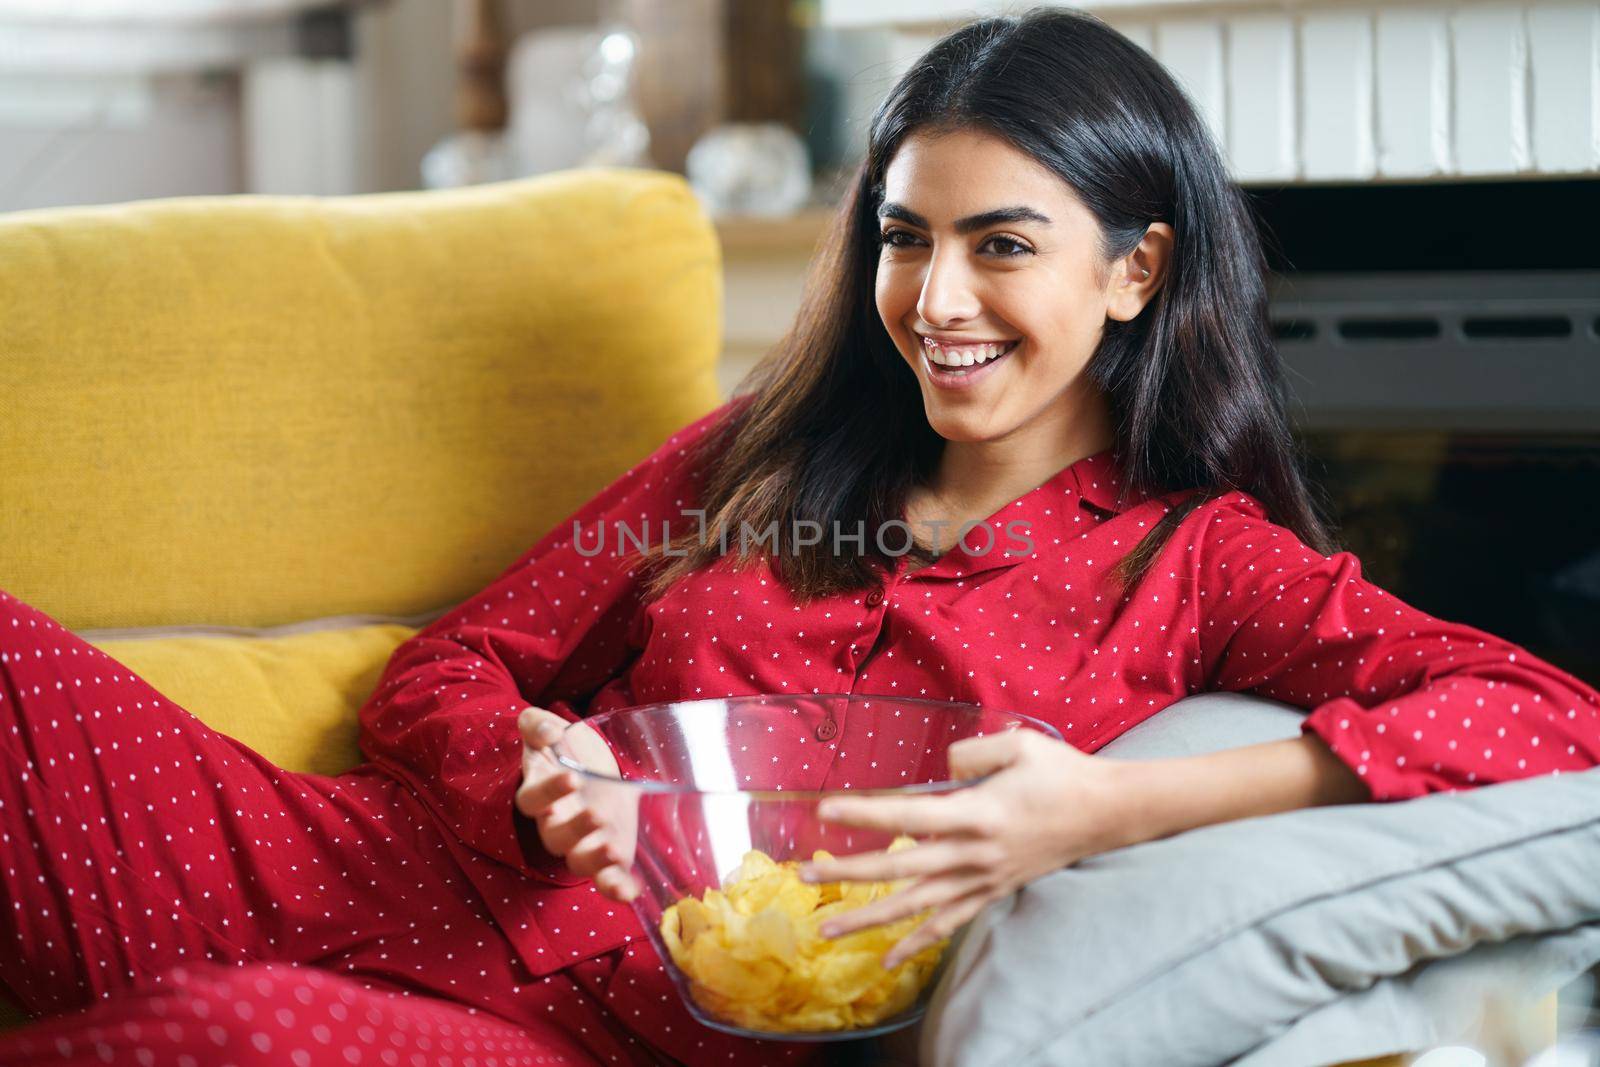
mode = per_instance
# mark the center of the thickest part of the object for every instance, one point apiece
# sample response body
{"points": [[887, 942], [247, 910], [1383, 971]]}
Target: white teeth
{"points": [[963, 355]]}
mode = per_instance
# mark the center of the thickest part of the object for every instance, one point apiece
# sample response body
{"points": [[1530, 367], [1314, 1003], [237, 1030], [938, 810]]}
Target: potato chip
{"points": [[754, 958]]}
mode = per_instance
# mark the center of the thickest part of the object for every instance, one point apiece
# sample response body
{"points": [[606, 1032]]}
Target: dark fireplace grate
{"points": [[1507, 350]]}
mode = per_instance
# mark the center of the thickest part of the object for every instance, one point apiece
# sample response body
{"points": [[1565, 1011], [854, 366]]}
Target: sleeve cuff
{"points": [[1342, 730]]}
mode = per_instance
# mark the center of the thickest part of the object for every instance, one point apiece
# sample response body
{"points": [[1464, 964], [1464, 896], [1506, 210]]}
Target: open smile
{"points": [[962, 367]]}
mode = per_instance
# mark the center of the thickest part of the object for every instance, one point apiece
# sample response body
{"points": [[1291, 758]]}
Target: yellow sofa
{"points": [[226, 416]]}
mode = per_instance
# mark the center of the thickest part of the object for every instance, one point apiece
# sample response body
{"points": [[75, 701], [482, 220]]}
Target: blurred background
{"points": [[118, 99]]}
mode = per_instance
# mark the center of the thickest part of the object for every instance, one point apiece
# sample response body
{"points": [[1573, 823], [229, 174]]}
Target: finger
{"points": [[886, 866], [562, 832], [539, 727], [619, 815], [543, 779], [914, 899], [540, 791], [616, 884], [909, 815], [973, 757], [892, 908], [595, 852], [558, 814], [942, 925]]}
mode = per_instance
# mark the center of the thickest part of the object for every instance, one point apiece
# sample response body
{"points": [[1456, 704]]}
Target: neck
{"points": [[1003, 469]]}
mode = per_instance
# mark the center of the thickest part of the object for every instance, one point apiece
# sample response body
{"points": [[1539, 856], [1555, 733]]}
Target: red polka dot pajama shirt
{"points": [[169, 896]]}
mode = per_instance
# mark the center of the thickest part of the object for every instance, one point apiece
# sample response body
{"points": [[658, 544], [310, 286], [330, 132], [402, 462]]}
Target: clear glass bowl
{"points": [[706, 781]]}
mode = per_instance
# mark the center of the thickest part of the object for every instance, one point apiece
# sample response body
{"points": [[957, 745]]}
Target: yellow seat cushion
{"points": [[290, 695]]}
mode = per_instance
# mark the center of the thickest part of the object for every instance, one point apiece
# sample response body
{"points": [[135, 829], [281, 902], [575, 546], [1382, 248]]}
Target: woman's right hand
{"points": [[595, 844]]}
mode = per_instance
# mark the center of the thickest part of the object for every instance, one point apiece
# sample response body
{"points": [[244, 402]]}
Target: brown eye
{"points": [[1019, 249]]}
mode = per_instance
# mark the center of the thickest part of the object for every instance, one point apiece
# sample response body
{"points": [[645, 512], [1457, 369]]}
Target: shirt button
{"points": [[826, 730], [875, 598]]}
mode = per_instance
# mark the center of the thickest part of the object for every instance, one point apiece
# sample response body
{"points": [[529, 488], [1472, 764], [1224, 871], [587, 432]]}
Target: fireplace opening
{"points": [[1442, 342]]}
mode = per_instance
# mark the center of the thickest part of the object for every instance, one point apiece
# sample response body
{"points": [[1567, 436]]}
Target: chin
{"points": [[964, 430]]}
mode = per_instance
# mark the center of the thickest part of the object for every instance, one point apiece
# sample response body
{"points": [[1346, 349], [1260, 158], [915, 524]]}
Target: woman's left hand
{"points": [[1045, 806]]}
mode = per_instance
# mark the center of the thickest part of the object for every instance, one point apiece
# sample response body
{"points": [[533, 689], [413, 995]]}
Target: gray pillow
{"points": [[1291, 940]]}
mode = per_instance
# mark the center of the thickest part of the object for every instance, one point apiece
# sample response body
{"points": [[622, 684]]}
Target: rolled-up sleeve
{"points": [[1412, 703]]}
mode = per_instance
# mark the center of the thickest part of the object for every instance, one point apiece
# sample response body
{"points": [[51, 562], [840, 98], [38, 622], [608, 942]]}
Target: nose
{"points": [[947, 295]]}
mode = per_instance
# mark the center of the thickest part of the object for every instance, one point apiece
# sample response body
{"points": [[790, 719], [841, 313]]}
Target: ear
{"points": [[1136, 277]]}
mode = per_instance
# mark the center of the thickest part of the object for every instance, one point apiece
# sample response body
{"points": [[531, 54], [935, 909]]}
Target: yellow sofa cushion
{"points": [[289, 693], [253, 410]]}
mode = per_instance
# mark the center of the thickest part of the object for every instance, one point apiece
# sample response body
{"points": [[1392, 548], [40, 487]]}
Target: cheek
{"points": [[1069, 333], [884, 291], [895, 290], [892, 303]]}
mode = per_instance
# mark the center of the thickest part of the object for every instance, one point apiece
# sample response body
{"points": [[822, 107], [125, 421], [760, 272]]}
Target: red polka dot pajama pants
{"points": [[169, 896]]}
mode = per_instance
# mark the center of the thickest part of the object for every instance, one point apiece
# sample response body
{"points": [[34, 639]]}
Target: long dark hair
{"points": [[829, 426]]}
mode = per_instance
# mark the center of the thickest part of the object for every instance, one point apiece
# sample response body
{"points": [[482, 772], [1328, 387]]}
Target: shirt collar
{"points": [[1099, 482], [1093, 481]]}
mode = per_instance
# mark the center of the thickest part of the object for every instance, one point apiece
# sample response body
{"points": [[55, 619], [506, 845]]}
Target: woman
{"points": [[1036, 184]]}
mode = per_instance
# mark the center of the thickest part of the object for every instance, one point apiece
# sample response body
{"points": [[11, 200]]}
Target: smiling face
{"points": [[989, 261]]}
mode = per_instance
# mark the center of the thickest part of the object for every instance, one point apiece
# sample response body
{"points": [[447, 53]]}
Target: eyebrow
{"points": [[892, 210]]}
